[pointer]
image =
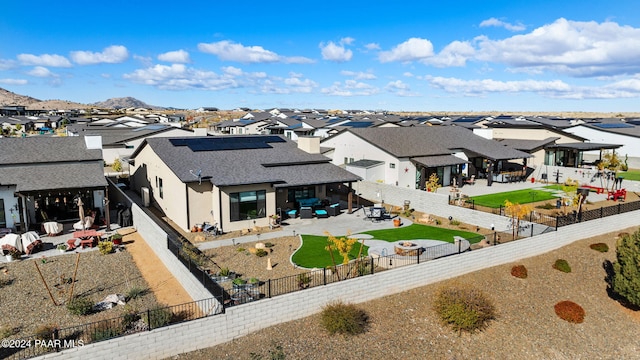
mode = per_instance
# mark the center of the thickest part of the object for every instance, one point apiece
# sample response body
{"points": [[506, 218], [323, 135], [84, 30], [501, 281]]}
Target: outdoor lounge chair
{"points": [[471, 180], [333, 210]]}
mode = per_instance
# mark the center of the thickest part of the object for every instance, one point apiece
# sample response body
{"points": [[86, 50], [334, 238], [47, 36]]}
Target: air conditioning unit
{"points": [[145, 196]]}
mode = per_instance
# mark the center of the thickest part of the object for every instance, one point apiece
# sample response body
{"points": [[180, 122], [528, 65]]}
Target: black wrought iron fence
{"points": [[52, 339]]}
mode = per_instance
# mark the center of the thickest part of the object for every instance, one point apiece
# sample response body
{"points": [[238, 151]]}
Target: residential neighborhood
{"points": [[188, 184]]}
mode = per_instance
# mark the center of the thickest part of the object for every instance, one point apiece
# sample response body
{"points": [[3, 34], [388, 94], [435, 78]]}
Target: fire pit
{"points": [[407, 248]]}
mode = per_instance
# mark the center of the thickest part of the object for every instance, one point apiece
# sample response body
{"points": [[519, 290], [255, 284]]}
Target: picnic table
{"points": [[87, 237]]}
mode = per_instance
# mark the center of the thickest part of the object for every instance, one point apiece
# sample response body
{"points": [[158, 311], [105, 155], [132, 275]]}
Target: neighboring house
{"points": [[235, 181], [41, 176], [626, 133], [120, 143], [407, 156], [241, 127], [16, 125]]}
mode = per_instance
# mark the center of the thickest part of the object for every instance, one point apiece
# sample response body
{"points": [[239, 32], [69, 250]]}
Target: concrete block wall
{"points": [[241, 320], [156, 238]]}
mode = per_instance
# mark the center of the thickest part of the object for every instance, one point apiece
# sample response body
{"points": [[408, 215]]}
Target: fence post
{"points": [[149, 319], [324, 276], [494, 238], [269, 288], [371, 257], [619, 208], [556, 222], [601, 212], [56, 336], [531, 230], [459, 247]]}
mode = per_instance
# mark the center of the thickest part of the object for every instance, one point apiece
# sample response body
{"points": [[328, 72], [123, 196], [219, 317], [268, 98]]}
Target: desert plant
{"points": [[546, 206], [601, 247], [160, 316], [239, 281], [304, 280], [269, 245], [45, 332], [105, 247], [463, 308], [6, 331], [454, 222], [117, 165], [129, 317], [626, 270], [261, 252], [62, 247], [254, 281], [106, 329], [341, 318], [80, 306], [135, 292], [562, 265], [569, 311], [519, 271], [438, 222], [224, 271]]}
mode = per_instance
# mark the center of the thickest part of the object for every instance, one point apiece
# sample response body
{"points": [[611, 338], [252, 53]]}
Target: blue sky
{"points": [[402, 56]]}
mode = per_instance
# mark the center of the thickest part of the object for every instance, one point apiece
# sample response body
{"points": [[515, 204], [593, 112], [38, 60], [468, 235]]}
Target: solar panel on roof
{"points": [[613, 126], [467, 119], [227, 143], [358, 124]]}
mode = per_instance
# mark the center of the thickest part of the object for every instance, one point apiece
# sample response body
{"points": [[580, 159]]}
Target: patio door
{"points": [[3, 218]]}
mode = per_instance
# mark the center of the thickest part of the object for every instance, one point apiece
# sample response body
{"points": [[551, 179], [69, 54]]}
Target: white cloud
{"points": [[178, 56], [228, 51], [180, 77], [112, 55], [400, 88], [499, 23], [44, 60], [414, 49], [40, 71], [300, 85], [232, 70], [407, 74], [454, 54], [146, 61], [455, 85], [572, 48], [359, 75], [350, 88], [372, 46], [295, 74], [334, 52], [7, 64], [347, 40], [14, 81]]}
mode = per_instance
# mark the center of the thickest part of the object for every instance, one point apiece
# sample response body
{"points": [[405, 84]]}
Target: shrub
{"points": [[160, 316], [240, 249], [224, 271], [601, 247], [105, 247], [6, 331], [304, 280], [341, 318], [261, 252], [239, 281], [269, 245], [546, 206], [519, 271], [129, 317], [80, 306], [135, 292], [463, 308], [562, 265], [438, 222], [454, 222], [45, 332], [569, 311], [626, 270], [106, 329]]}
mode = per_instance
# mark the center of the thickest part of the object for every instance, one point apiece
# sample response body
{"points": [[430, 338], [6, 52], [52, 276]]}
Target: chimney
{"points": [[93, 141], [310, 144]]}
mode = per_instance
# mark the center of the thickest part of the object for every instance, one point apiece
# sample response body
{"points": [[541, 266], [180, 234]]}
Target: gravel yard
{"points": [[404, 326]]}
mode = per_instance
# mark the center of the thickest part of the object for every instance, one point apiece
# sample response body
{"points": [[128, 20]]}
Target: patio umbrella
{"points": [[81, 211]]}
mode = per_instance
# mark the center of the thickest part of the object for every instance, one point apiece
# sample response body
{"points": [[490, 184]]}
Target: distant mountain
{"points": [[124, 103], [9, 98]]}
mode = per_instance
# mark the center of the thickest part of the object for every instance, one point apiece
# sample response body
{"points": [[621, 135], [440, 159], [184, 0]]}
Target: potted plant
{"points": [[15, 254], [239, 283], [116, 239], [253, 282], [62, 247]]}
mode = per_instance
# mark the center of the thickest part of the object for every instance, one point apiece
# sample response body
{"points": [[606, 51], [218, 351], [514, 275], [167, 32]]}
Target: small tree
{"points": [[343, 245], [117, 165], [433, 184], [516, 212], [626, 270]]}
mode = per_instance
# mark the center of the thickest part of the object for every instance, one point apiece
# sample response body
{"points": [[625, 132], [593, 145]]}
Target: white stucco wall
{"points": [[630, 144]]}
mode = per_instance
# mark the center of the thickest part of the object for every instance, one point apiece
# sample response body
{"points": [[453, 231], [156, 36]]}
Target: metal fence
{"points": [[52, 339]]}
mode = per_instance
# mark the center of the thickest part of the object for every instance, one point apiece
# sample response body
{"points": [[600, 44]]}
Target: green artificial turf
{"points": [[524, 196], [632, 174], [313, 253]]}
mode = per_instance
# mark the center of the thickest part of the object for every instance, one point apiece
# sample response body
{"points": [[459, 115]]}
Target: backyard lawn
{"points": [[631, 174], [523, 196], [313, 253]]}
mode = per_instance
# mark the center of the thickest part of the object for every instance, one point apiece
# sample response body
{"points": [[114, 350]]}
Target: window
{"points": [[392, 165], [346, 160], [160, 188], [3, 218], [248, 205], [301, 193], [350, 160]]}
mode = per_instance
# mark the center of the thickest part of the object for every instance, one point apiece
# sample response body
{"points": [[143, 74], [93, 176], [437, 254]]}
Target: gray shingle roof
{"points": [[41, 149], [528, 145], [435, 140], [282, 163], [439, 160], [54, 176]]}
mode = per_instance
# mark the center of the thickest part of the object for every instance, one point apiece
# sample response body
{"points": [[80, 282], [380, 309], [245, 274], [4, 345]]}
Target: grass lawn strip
{"points": [[632, 174], [313, 253], [524, 196]]}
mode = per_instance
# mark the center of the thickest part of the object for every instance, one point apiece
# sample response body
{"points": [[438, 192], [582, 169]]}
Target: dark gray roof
{"points": [[583, 146], [54, 176], [282, 163], [435, 140], [41, 149], [113, 136], [528, 145], [364, 163], [439, 160]]}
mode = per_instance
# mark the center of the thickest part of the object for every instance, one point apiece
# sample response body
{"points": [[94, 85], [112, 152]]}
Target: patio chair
{"points": [[306, 212], [321, 213], [471, 180]]}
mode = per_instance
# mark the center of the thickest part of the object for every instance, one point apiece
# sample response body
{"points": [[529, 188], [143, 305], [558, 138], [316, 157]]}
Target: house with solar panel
{"points": [[625, 132], [234, 181]]}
